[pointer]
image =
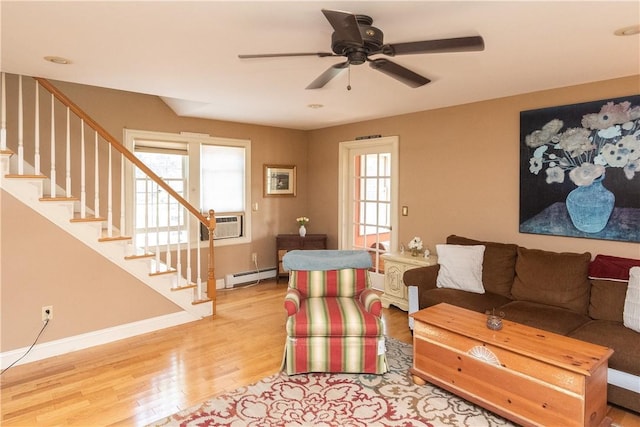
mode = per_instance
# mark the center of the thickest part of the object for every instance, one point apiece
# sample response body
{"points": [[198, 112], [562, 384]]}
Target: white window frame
{"points": [[194, 141]]}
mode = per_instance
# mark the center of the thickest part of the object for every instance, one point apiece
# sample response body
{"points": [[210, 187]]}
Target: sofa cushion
{"points": [[631, 312], [553, 278], [498, 265], [460, 267], [471, 301], [553, 319], [607, 300], [624, 342]]}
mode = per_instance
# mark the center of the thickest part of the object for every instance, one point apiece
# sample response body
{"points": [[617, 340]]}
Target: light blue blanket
{"points": [[326, 260]]}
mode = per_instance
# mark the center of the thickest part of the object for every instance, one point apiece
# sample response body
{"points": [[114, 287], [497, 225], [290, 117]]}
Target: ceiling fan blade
{"points": [[398, 72], [279, 55], [459, 44], [345, 25], [329, 74]]}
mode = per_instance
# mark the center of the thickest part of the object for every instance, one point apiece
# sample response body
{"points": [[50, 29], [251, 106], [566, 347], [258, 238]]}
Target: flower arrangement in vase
{"points": [[607, 139], [415, 246], [302, 221]]}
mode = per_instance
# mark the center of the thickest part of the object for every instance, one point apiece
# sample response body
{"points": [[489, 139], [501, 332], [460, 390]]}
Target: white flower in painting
{"points": [[586, 173], [610, 133], [555, 174], [607, 139], [535, 165], [632, 168]]}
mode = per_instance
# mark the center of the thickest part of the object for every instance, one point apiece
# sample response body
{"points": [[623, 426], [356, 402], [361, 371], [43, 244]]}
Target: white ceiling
{"points": [[186, 52]]}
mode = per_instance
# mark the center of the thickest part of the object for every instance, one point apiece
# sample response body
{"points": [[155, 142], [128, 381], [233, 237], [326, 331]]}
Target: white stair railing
{"points": [[76, 165]]}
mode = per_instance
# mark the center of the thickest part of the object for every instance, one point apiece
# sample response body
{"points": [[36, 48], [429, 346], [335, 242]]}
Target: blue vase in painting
{"points": [[590, 206]]}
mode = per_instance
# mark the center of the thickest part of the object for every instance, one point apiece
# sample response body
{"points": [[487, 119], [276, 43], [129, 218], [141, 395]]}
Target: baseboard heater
{"points": [[231, 280]]}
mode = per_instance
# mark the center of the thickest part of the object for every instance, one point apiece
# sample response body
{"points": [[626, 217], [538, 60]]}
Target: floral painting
{"points": [[580, 170]]}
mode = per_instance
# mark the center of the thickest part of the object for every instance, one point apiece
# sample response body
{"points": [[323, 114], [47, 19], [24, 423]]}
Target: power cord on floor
{"points": [[46, 322]]}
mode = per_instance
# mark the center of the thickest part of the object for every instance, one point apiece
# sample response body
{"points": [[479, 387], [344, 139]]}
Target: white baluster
{"points": [[168, 256], [83, 179], [178, 255], [3, 113], [36, 158], [110, 196], [20, 129], [96, 168], [157, 193], [189, 277], [123, 227], [68, 157], [52, 191], [199, 270], [146, 214]]}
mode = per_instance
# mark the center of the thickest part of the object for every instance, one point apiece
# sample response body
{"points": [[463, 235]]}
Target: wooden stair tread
{"points": [[201, 301], [87, 219], [59, 199], [140, 255], [163, 271], [113, 238], [7, 152], [24, 176], [183, 287]]}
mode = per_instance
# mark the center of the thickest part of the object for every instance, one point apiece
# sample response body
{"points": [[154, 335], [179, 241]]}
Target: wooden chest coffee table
{"points": [[530, 376]]}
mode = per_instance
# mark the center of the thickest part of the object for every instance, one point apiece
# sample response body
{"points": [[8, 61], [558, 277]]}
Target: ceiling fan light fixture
{"points": [[628, 31], [57, 60]]}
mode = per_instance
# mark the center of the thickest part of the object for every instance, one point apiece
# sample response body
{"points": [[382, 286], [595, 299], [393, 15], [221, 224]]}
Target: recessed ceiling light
{"points": [[628, 31], [315, 106], [57, 60]]}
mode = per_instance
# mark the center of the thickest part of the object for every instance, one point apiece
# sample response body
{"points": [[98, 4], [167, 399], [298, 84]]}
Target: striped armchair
{"points": [[334, 320]]}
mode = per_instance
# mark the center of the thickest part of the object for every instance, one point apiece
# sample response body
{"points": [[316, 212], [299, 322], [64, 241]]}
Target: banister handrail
{"points": [[208, 222]]}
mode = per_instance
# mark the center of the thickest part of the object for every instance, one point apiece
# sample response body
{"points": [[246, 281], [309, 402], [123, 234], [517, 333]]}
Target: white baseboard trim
{"points": [[91, 339], [624, 380]]}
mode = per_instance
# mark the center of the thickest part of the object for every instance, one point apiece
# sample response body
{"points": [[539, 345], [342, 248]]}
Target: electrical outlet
{"points": [[254, 258], [47, 312]]}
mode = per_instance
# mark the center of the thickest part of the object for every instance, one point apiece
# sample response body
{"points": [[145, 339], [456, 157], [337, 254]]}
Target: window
{"points": [[210, 173], [153, 208]]}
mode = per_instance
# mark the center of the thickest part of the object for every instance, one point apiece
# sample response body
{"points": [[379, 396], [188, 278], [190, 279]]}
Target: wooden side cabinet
{"points": [[289, 242], [395, 264]]}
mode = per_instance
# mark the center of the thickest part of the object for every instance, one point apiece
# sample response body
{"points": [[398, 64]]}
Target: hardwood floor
{"points": [[139, 380]]}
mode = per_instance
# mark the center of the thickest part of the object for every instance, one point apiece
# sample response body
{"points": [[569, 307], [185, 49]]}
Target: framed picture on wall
{"points": [[279, 180], [580, 170]]}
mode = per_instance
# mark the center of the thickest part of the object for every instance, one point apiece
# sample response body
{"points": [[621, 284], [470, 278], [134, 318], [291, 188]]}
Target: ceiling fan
{"points": [[356, 39]]}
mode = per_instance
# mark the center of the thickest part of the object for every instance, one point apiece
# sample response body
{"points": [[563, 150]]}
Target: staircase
{"points": [[83, 188]]}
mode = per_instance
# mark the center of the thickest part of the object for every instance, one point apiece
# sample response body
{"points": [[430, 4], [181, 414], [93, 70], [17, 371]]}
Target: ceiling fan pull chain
{"points": [[349, 78]]}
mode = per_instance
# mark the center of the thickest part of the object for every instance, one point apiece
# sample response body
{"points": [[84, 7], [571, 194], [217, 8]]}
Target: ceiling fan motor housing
{"points": [[372, 39]]}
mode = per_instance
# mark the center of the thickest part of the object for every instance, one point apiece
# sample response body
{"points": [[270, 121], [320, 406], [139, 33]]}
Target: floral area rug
{"points": [[321, 399]]}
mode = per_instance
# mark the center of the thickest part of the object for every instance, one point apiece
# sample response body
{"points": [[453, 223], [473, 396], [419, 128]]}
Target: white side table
{"points": [[395, 264]]}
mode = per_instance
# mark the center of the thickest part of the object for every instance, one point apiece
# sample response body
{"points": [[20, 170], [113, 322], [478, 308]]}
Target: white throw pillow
{"points": [[460, 267], [631, 313]]}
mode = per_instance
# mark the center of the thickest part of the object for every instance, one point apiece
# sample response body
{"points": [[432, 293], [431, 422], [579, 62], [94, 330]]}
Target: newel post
{"points": [[211, 277]]}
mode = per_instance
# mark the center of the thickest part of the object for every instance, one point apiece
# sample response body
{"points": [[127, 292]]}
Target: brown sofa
{"points": [[550, 291]]}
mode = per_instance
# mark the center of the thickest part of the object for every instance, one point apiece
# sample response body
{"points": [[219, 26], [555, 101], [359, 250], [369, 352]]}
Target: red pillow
{"points": [[609, 267]]}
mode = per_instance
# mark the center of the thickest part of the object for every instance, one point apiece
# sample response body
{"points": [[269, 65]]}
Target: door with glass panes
{"points": [[368, 199]]}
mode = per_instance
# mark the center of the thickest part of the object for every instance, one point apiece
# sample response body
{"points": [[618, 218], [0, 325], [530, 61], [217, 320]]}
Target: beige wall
{"points": [[459, 169], [458, 174], [43, 265]]}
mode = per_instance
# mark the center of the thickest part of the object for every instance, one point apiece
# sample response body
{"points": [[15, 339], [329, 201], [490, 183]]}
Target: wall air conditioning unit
{"points": [[227, 227]]}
